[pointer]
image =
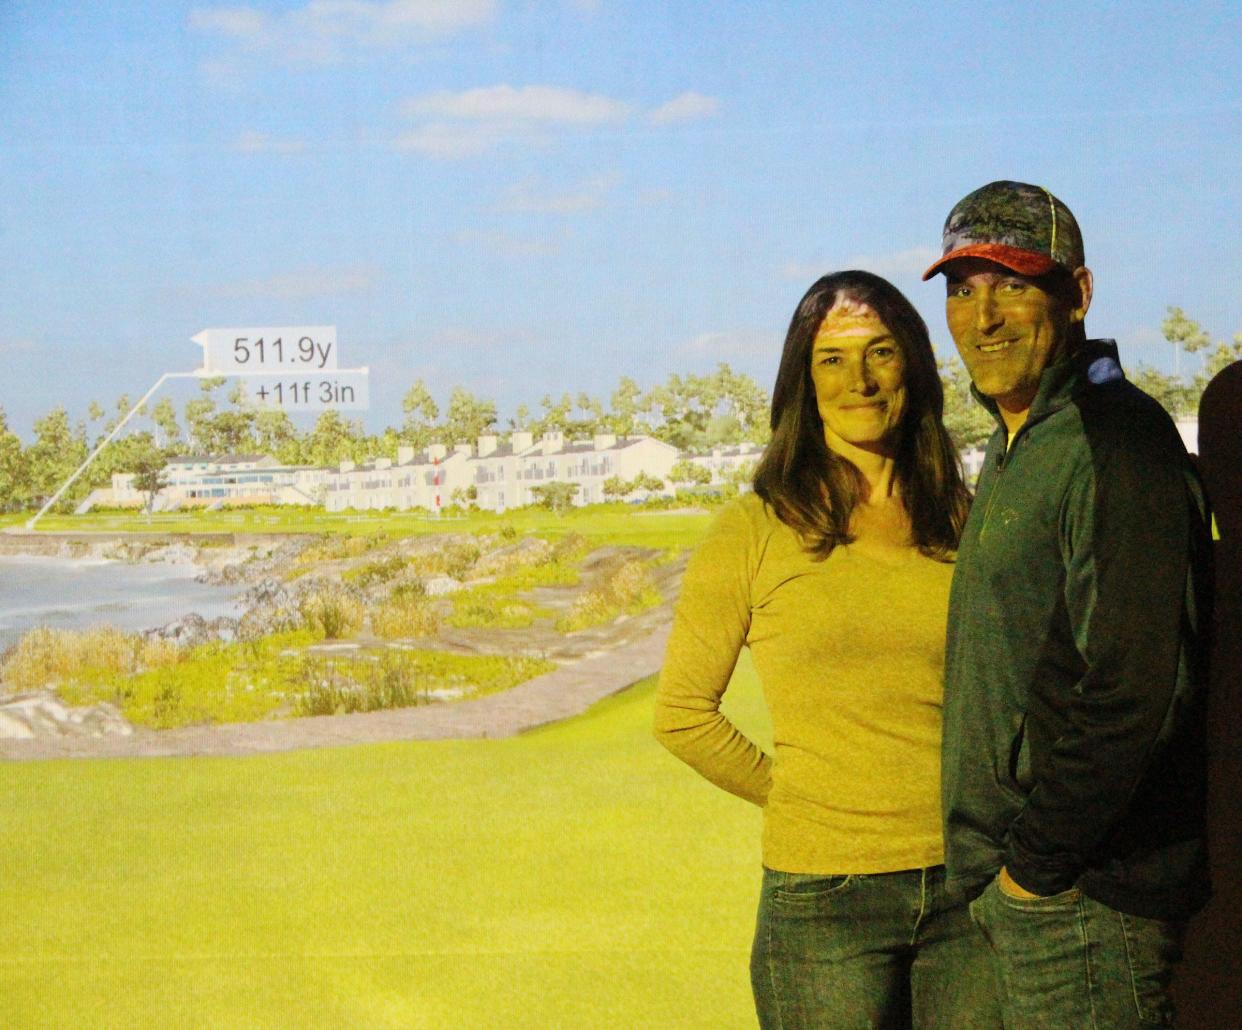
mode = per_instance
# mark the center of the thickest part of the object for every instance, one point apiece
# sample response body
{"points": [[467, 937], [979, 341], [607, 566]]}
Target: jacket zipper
{"points": [[1002, 461]]}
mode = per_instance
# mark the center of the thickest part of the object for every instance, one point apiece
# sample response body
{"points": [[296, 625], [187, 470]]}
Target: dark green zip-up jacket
{"points": [[1075, 667]]}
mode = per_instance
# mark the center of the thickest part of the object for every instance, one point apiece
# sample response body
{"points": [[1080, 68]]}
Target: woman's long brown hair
{"points": [[812, 489]]}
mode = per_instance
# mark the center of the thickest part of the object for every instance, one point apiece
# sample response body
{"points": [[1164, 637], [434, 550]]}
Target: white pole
{"points": [[108, 439]]}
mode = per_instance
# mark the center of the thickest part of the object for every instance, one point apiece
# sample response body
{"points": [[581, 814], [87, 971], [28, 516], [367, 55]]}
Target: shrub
{"points": [[626, 588], [331, 613], [459, 559], [48, 657], [492, 610], [406, 614], [455, 559], [214, 682], [338, 548], [408, 588], [380, 571], [555, 496], [356, 685], [569, 548], [397, 679]]}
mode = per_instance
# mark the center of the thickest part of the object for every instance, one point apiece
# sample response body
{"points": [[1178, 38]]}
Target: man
{"points": [[1073, 762]]}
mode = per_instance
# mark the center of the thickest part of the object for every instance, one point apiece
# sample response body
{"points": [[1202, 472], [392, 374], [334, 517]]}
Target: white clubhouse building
{"points": [[503, 475]]}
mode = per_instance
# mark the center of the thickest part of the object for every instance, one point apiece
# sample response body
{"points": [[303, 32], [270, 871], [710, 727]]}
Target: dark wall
{"points": [[1209, 982]]}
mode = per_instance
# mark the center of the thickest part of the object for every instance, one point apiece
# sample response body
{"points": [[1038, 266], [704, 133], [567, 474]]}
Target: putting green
{"points": [[576, 876]]}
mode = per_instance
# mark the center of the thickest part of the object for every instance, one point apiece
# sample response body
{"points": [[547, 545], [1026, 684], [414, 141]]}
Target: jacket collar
{"points": [[1095, 363]]}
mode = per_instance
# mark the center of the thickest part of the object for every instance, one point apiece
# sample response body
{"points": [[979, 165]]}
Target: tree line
{"points": [[691, 412]]}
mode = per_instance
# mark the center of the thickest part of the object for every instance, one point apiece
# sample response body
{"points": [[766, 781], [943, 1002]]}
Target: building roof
{"points": [[222, 459]]}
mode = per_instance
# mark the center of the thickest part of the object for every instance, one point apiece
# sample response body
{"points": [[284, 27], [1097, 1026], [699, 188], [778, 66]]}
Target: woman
{"points": [[835, 572]]}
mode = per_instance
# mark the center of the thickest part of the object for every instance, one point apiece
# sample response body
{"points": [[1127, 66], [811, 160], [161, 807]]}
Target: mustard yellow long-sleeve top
{"points": [[850, 652]]}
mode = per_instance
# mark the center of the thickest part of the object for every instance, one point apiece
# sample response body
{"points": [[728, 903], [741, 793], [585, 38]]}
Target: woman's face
{"points": [[858, 371]]}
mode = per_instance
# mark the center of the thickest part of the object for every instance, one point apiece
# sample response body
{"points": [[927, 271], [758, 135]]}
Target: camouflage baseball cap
{"points": [[1015, 224]]}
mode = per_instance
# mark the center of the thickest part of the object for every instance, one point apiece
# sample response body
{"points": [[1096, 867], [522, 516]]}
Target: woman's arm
{"points": [[709, 629]]}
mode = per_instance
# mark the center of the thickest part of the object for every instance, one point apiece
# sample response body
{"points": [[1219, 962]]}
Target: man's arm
{"points": [[1127, 526]]}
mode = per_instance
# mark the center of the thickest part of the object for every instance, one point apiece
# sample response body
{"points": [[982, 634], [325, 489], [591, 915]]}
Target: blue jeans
{"points": [[877, 950], [1069, 962]]}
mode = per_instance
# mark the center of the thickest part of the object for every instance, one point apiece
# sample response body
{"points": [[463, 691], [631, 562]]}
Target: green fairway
{"points": [[576, 876], [614, 523]]}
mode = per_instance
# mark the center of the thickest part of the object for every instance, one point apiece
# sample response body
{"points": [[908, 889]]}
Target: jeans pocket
{"points": [[1153, 946], [1063, 898], [794, 893]]}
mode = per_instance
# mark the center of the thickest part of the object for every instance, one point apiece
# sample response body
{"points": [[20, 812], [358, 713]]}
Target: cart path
{"points": [[567, 691]]}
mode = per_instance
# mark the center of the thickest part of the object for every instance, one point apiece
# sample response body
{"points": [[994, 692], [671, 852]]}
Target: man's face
{"points": [[1007, 329]]}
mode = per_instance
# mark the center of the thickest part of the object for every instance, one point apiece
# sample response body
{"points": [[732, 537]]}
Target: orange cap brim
{"points": [[1024, 262]]}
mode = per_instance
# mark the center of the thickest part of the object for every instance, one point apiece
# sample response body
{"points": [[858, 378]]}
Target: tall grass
{"points": [[406, 612], [398, 679], [44, 656], [331, 612], [626, 589]]}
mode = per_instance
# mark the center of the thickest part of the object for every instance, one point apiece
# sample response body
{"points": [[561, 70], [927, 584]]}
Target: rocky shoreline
{"points": [[278, 574]]}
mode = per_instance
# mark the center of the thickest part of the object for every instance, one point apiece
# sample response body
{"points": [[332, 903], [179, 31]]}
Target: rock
{"points": [[43, 714], [192, 630], [530, 550], [438, 586], [176, 553], [271, 607], [267, 619]]}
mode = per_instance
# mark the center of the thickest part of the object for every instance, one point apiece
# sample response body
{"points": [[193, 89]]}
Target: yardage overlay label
{"points": [[273, 349], [346, 390], [287, 368]]}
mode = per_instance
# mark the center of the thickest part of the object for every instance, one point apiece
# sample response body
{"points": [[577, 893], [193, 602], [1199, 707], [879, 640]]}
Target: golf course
{"points": [[575, 875]]}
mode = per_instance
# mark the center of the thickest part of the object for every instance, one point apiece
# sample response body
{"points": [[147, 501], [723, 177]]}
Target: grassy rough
{"points": [[626, 589], [331, 612], [573, 876], [207, 684], [44, 656], [398, 679], [406, 614], [600, 524]]}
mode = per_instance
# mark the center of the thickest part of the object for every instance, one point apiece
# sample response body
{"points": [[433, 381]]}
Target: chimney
{"points": [[347, 466], [521, 441], [436, 452], [486, 446], [553, 441], [405, 455], [463, 448], [383, 463], [603, 441]]}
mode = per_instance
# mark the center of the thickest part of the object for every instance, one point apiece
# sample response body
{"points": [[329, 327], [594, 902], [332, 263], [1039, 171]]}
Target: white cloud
{"points": [[324, 31], [450, 141], [300, 284], [531, 195], [687, 107], [475, 121], [262, 143], [504, 103]]}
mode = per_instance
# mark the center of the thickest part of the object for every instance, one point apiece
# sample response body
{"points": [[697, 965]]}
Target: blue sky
{"points": [[528, 197]]}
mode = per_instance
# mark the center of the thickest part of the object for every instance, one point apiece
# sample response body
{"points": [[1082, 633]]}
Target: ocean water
{"points": [[73, 594]]}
